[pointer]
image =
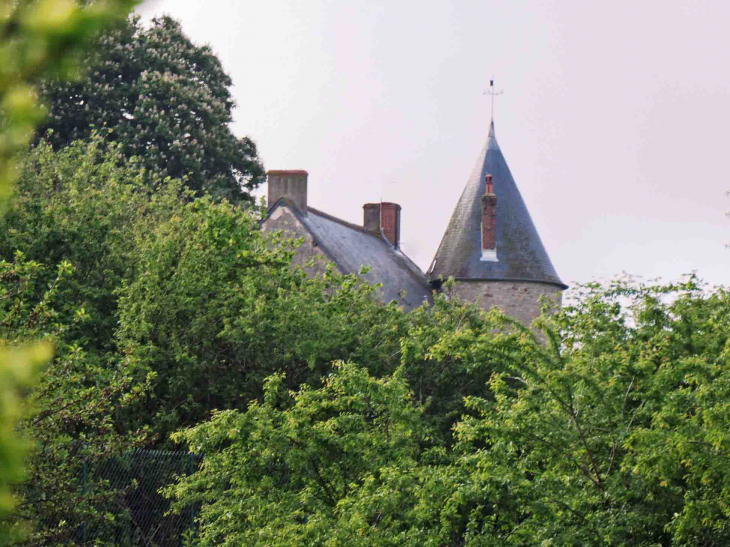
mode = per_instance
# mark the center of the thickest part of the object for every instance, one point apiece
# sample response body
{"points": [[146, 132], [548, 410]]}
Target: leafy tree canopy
{"points": [[66, 246], [610, 428], [164, 309], [167, 102], [337, 465], [161, 309], [36, 39], [71, 419], [444, 426]]}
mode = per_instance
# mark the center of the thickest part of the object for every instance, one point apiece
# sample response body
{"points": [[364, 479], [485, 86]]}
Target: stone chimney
{"points": [[489, 223], [291, 184], [383, 218]]}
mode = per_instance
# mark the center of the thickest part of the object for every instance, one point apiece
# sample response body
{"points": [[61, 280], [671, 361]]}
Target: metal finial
{"points": [[493, 93]]}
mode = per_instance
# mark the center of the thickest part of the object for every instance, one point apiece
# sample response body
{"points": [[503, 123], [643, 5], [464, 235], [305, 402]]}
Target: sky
{"points": [[614, 121]]}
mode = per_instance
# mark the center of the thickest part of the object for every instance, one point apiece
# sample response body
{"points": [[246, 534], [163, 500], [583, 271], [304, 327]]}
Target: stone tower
{"points": [[491, 246]]}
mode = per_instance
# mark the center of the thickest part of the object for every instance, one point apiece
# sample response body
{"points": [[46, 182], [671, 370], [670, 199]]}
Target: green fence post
{"points": [[192, 505], [83, 491]]}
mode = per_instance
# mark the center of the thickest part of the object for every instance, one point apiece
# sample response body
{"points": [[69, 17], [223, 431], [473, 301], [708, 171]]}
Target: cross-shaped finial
{"points": [[493, 93]]}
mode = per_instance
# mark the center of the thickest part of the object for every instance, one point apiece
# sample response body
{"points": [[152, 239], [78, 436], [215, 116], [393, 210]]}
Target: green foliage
{"points": [[74, 216], [17, 370], [216, 308], [446, 353], [72, 407], [613, 433], [39, 39], [167, 102], [164, 309], [608, 428], [318, 466], [83, 205], [356, 461], [36, 39]]}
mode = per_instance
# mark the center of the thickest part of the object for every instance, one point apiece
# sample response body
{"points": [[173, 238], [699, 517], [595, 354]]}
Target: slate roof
{"points": [[350, 246], [521, 254]]}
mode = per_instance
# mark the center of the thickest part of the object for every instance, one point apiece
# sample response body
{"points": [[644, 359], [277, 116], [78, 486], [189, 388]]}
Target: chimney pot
{"points": [[383, 218], [490, 187], [371, 217]]}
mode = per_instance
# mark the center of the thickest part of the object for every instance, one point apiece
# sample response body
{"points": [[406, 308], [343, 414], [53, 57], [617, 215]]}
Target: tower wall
{"points": [[518, 299]]}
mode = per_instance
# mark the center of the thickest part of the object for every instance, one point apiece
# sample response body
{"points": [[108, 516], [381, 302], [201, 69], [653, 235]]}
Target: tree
{"points": [[35, 39], [168, 104], [334, 465], [17, 372], [609, 428], [71, 416], [67, 246], [217, 307], [84, 205], [615, 433]]}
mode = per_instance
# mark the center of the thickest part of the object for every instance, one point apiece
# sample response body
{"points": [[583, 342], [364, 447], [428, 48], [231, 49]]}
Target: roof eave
{"points": [[559, 284]]}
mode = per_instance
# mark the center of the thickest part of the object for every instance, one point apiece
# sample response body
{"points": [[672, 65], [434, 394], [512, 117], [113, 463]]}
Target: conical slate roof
{"points": [[521, 255]]}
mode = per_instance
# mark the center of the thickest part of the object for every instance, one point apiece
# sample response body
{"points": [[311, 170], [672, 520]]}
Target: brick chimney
{"points": [[291, 184], [383, 218], [489, 223]]}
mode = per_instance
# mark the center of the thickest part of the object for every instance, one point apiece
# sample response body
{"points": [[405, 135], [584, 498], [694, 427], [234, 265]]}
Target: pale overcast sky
{"points": [[614, 118]]}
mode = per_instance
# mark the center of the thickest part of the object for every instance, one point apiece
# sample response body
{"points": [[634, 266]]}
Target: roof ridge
{"points": [[340, 221]]}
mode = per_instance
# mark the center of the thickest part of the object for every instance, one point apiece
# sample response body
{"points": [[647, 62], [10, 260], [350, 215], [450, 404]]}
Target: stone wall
{"points": [[518, 299], [284, 219]]}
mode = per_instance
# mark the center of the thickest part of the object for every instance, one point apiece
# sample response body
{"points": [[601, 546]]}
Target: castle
{"points": [[491, 247]]}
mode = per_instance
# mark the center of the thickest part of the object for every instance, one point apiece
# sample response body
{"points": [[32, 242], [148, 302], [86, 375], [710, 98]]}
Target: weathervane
{"points": [[493, 93]]}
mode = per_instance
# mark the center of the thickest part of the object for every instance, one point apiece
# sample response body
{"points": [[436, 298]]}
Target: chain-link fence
{"points": [[138, 515]]}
